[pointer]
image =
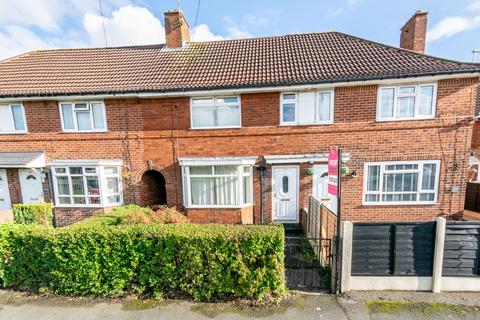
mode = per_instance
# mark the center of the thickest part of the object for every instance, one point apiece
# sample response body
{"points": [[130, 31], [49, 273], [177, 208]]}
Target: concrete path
{"points": [[303, 307]]}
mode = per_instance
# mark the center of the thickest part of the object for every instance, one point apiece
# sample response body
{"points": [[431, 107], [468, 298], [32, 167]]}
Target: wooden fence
{"points": [[319, 225], [426, 256]]}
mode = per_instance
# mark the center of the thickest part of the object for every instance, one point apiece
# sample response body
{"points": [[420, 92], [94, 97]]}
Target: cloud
{"points": [[474, 5], [234, 32], [352, 3], [202, 33], [129, 25], [335, 12], [256, 21], [16, 40], [451, 26]]}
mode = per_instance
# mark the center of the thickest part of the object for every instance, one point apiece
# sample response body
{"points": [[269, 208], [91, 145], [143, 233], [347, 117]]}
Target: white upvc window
{"points": [[406, 102], [402, 182], [83, 116], [87, 185], [12, 118], [207, 186], [215, 112], [306, 108]]}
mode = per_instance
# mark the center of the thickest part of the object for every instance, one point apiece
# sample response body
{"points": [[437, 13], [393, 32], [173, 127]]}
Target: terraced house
{"points": [[238, 131]]}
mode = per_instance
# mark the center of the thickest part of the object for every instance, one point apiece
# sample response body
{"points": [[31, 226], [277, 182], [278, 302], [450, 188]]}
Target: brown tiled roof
{"points": [[272, 61]]}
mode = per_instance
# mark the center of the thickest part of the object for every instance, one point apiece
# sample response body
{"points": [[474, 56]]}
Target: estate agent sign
{"points": [[333, 172]]}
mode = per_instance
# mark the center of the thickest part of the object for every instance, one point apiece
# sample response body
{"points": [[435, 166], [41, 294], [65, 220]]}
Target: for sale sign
{"points": [[333, 171]]}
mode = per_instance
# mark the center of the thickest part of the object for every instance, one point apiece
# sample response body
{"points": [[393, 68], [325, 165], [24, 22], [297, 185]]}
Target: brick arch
{"points": [[152, 188]]}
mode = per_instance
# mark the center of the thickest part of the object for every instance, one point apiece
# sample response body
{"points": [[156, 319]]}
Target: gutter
{"points": [[249, 89]]}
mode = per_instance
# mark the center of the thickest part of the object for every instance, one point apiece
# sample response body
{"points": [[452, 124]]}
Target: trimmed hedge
{"points": [[35, 213], [203, 262]]}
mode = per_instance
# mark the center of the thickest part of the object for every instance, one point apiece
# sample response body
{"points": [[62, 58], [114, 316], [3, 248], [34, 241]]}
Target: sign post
{"points": [[334, 189]]}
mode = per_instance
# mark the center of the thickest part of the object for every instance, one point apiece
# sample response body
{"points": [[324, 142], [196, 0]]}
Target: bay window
{"points": [[215, 112], [12, 119], [406, 102], [404, 182], [83, 116], [218, 185], [303, 108], [87, 185]]}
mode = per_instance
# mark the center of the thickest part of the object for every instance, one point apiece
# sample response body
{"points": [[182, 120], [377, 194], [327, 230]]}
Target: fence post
{"points": [[438, 254], [346, 239]]}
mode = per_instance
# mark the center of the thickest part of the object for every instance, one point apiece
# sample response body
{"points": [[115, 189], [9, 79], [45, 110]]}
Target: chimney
{"points": [[177, 32], [414, 32]]}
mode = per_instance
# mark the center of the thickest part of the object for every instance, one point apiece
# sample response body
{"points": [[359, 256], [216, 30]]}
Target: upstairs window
{"points": [[405, 182], [215, 112], [12, 119], [83, 116], [304, 108], [407, 102]]}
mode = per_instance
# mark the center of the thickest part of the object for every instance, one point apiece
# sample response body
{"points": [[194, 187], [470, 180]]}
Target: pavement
{"points": [[364, 305]]}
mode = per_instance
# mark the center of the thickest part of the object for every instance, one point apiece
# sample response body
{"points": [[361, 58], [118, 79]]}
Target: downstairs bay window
{"points": [[404, 182], [87, 185], [218, 185]]}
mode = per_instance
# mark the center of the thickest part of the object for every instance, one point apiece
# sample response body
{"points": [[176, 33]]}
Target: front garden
{"points": [[145, 252]]}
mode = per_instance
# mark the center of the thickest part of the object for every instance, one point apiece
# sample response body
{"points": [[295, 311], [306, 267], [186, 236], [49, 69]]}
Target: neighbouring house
{"points": [[238, 131]]}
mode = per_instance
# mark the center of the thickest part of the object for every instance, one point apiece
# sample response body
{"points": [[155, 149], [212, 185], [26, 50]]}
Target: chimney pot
{"points": [[177, 31], [414, 32]]}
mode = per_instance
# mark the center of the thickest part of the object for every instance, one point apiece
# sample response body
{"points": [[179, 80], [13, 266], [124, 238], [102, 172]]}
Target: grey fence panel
{"points": [[403, 249], [372, 249], [461, 255]]}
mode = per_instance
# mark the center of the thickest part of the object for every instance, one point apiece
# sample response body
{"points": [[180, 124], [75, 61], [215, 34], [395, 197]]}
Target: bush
{"points": [[36, 213], [204, 262], [134, 214]]}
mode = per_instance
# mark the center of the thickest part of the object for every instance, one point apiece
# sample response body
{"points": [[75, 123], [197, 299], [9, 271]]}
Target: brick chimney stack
{"points": [[414, 32], [177, 32]]}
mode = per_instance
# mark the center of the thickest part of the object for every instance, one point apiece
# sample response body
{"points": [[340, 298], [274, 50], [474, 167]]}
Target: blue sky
{"points": [[453, 28]]}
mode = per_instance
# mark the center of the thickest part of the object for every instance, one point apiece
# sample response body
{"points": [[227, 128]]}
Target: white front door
{"points": [[285, 194], [31, 184], [320, 187], [5, 202]]}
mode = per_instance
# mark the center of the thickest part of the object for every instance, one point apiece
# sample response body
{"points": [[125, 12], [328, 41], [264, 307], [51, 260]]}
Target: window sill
{"points": [[220, 207], [382, 204], [405, 119], [86, 206], [216, 128], [305, 124], [85, 131], [15, 132]]}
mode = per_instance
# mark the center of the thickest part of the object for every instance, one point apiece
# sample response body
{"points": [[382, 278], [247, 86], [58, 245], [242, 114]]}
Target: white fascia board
{"points": [[217, 161], [81, 162], [301, 158], [195, 93], [39, 162]]}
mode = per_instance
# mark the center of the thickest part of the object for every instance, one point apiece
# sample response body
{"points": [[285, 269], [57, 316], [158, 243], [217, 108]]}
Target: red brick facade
{"points": [[154, 133]]}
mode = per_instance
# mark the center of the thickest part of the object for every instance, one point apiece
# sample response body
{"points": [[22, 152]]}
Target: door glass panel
{"points": [[285, 184]]}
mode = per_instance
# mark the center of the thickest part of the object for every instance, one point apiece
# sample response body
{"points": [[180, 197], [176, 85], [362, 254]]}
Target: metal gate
{"points": [[302, 265]]}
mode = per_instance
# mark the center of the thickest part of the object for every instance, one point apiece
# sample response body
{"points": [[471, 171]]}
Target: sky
{"points": [[26, 25]]}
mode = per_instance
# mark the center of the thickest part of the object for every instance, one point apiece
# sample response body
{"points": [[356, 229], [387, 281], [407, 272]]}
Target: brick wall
{"points": [[153, 133], [14, 186]]}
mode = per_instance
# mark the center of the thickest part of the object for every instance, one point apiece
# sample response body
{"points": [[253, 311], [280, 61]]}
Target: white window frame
{"points": [[396, 95], [24, 118], [75, 123], [216, 104], [295, 101], [102, 184], [187, 199], [419, 182]]}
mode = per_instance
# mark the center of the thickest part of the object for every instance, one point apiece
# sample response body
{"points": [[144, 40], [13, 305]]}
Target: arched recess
{"points": [[152, 188]]}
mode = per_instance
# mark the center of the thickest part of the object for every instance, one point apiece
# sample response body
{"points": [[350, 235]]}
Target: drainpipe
{"points": [[261, 168]]}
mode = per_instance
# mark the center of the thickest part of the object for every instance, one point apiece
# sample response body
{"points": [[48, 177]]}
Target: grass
{"points": [[427, 309]]}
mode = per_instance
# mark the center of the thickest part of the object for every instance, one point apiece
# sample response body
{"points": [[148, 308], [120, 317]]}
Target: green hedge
{"points": [[203, 262], [36, 213]]}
